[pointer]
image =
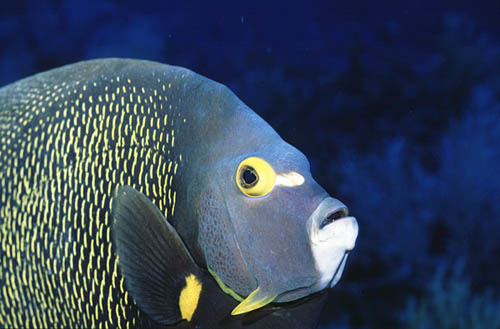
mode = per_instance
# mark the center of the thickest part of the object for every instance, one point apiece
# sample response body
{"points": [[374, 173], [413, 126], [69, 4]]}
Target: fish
{"points": [[138, 194]]}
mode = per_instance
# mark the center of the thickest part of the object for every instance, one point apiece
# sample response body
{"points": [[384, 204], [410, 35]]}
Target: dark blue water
{"points": [[396, 104]]}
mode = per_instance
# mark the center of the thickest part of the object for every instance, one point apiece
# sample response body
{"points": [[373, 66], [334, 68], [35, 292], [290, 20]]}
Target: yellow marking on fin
{"points": [[254, 301], [188, 299]]}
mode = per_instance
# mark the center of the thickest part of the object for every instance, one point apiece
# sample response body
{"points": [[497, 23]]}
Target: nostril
{"points": [[333, 216]]}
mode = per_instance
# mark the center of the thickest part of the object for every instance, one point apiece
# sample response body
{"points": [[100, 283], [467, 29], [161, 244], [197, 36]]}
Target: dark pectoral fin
{"points": [[159, 272]]}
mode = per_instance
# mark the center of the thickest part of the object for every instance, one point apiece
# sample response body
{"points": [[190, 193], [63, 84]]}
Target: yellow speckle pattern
{"points": [[65, 145]]}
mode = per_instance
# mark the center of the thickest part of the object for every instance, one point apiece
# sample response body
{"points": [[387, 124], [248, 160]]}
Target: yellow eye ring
{"points": [[255, 177]]}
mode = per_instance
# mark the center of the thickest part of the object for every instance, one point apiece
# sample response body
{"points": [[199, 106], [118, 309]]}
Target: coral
{"points": [[450, 304]]}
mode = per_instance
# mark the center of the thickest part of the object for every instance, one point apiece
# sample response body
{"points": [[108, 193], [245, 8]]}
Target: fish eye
{"points": [[255, 177], [249, 177]]}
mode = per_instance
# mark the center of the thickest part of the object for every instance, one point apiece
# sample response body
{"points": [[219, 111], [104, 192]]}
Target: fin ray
{"points": [[152, 257]]}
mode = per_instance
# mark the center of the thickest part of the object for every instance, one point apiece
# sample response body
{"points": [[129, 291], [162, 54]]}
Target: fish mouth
{"points": [[332, 234], [335, 214]]}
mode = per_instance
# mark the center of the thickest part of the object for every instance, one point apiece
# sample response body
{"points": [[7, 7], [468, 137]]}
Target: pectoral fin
{"points": [[159, 272], [257, 299]]}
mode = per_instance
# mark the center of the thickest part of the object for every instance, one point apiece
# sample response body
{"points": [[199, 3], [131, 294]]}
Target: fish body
{"points": [[72, 137]]}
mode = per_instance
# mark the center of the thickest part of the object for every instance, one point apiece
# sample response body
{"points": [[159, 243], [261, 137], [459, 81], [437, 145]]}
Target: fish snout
{"points": [[339, 211], [330, 222], [332, 235]]}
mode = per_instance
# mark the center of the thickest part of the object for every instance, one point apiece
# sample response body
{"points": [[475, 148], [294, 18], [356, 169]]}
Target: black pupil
{"points": [[249, 176]]}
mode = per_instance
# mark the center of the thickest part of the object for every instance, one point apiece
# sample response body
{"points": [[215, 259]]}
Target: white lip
{"points": [[343, 231], [329, 246]]}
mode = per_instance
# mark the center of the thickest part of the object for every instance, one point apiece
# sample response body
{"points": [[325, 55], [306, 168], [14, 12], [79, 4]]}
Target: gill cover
{"points": [[264, 201]]}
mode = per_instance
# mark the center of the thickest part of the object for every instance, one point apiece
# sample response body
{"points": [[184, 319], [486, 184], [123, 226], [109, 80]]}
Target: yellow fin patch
{"points": [[255, 300], [188, 299]]}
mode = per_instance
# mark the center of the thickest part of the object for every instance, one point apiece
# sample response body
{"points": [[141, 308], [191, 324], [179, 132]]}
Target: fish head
{"points": [[268, 231]]}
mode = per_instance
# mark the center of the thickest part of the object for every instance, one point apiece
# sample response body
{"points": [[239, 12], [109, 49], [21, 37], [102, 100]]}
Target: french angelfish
{"points": [[137, 194]]}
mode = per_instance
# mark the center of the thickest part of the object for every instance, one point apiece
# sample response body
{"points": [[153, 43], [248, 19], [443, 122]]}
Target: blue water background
{"points": [[395, 103]]}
